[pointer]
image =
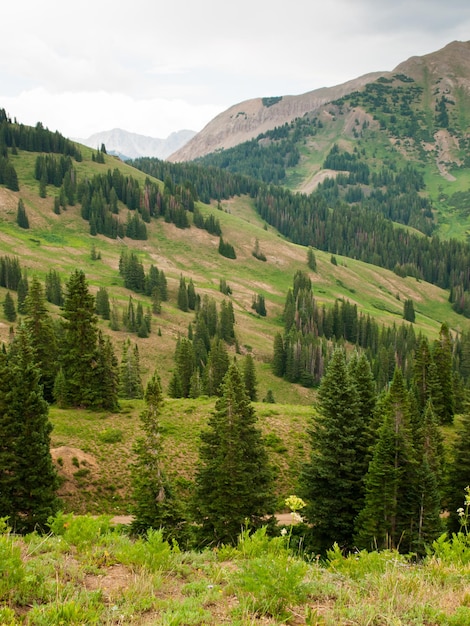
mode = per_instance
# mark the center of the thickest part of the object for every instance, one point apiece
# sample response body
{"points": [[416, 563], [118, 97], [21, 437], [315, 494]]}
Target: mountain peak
{"points": [[129, 145]]}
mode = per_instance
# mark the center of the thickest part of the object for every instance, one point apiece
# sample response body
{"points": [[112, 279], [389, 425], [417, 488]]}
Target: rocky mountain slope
{"points": [[441, 73], [132, 145]]}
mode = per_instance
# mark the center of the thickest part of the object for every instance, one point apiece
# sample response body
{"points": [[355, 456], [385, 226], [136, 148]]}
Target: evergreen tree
{"points": [[102, 306], [39, 325], [130, 379], [311, 260], [409, 311], [28, 480], [234, 481], [279, 357], [54, 288], [9, 309], [227, 322], [387, 517], [216, 368], [192, 296], [429, 481], [22, 292], [154, 503], [421, 373], [81, 353], [459, 469], [182, 298], [249, 378], [332, 481], [442, 391], [107, 374], [21, 217]]}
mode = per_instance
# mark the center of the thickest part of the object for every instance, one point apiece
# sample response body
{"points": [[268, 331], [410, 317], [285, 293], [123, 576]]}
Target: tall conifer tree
{"points": [[234, 481], [387, 517], [332, 480], [154, 503], [28, 480], [38, 322]]}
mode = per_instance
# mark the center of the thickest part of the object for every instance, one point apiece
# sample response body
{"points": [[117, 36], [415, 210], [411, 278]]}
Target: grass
{"points": [[83, 443], [86, 571]]}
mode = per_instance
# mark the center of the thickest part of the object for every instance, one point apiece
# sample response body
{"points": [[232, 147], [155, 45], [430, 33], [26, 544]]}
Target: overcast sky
{"points": [[154, 67]]}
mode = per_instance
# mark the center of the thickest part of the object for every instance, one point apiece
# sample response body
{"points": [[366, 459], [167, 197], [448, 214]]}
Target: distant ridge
{"points": [[248, 119], [446, 70], [128, 145]]}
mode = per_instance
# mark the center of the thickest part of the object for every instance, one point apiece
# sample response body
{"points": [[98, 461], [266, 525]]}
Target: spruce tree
{"points": [[459, 469], [387, 517], [130, 378], [21, 217], [182, 298], [28, 480], [249, 378], [216, 368], [154, 503], [82, 353], [442, 392], [9, 309], [332, 481], [39, 324], [22, 292], [234, 481]]}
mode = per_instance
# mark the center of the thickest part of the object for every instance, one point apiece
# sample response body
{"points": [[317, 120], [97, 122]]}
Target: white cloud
{"points": [[157, 67]]}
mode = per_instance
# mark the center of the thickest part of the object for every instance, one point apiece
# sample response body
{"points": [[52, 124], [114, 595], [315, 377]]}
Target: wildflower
{"points": [[460, 512], [294, 503], [284, 532]]}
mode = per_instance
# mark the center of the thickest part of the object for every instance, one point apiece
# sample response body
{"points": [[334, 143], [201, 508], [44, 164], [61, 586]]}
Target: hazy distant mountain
{"points": [[131, 145]]}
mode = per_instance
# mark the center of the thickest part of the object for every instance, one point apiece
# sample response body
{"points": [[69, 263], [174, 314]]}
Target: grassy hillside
{"points": [[102, 443]]}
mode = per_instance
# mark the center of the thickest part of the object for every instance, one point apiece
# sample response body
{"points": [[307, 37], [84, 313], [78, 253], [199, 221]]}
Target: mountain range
{"points": [[127, 145]]}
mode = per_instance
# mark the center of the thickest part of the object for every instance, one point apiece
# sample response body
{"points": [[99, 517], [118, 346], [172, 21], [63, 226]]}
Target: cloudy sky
{"points": [[154, 67]]}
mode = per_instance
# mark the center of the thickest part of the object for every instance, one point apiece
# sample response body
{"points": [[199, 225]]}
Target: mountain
{"points": [[248, 119], [445, 72], [128, 145]]}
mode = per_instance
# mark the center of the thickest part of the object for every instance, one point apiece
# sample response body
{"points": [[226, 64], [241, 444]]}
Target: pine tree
{"points": [[102, 306], [21, 217], [28, 480], [386, 520], [459, 469], [182, 299], [429, 481], [442, 392], [216, 368], [332, 482], [22, 292], [234, 481], [249, 378], [311, 260], [39, 325], [154, 503], [130, 378], [409, 311], [9, 309], [81, 354]]}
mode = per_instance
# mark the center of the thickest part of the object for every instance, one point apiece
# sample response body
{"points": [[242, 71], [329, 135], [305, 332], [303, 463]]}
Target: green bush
{"points": [[111, 435]]}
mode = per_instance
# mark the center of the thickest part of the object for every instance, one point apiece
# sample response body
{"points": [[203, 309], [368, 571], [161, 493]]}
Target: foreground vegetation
{"points": [[85, 571]]}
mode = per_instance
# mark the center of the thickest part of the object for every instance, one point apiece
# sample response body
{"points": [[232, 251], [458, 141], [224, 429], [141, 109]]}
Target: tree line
{"points": [[438, 371]]}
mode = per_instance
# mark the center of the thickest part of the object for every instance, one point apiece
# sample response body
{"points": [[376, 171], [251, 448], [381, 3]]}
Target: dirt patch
{"points": [[73, 465], [116, 579]]}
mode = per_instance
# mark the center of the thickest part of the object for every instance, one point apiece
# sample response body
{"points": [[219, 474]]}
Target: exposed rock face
{"points": [[441, 72], [248, 119]]}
